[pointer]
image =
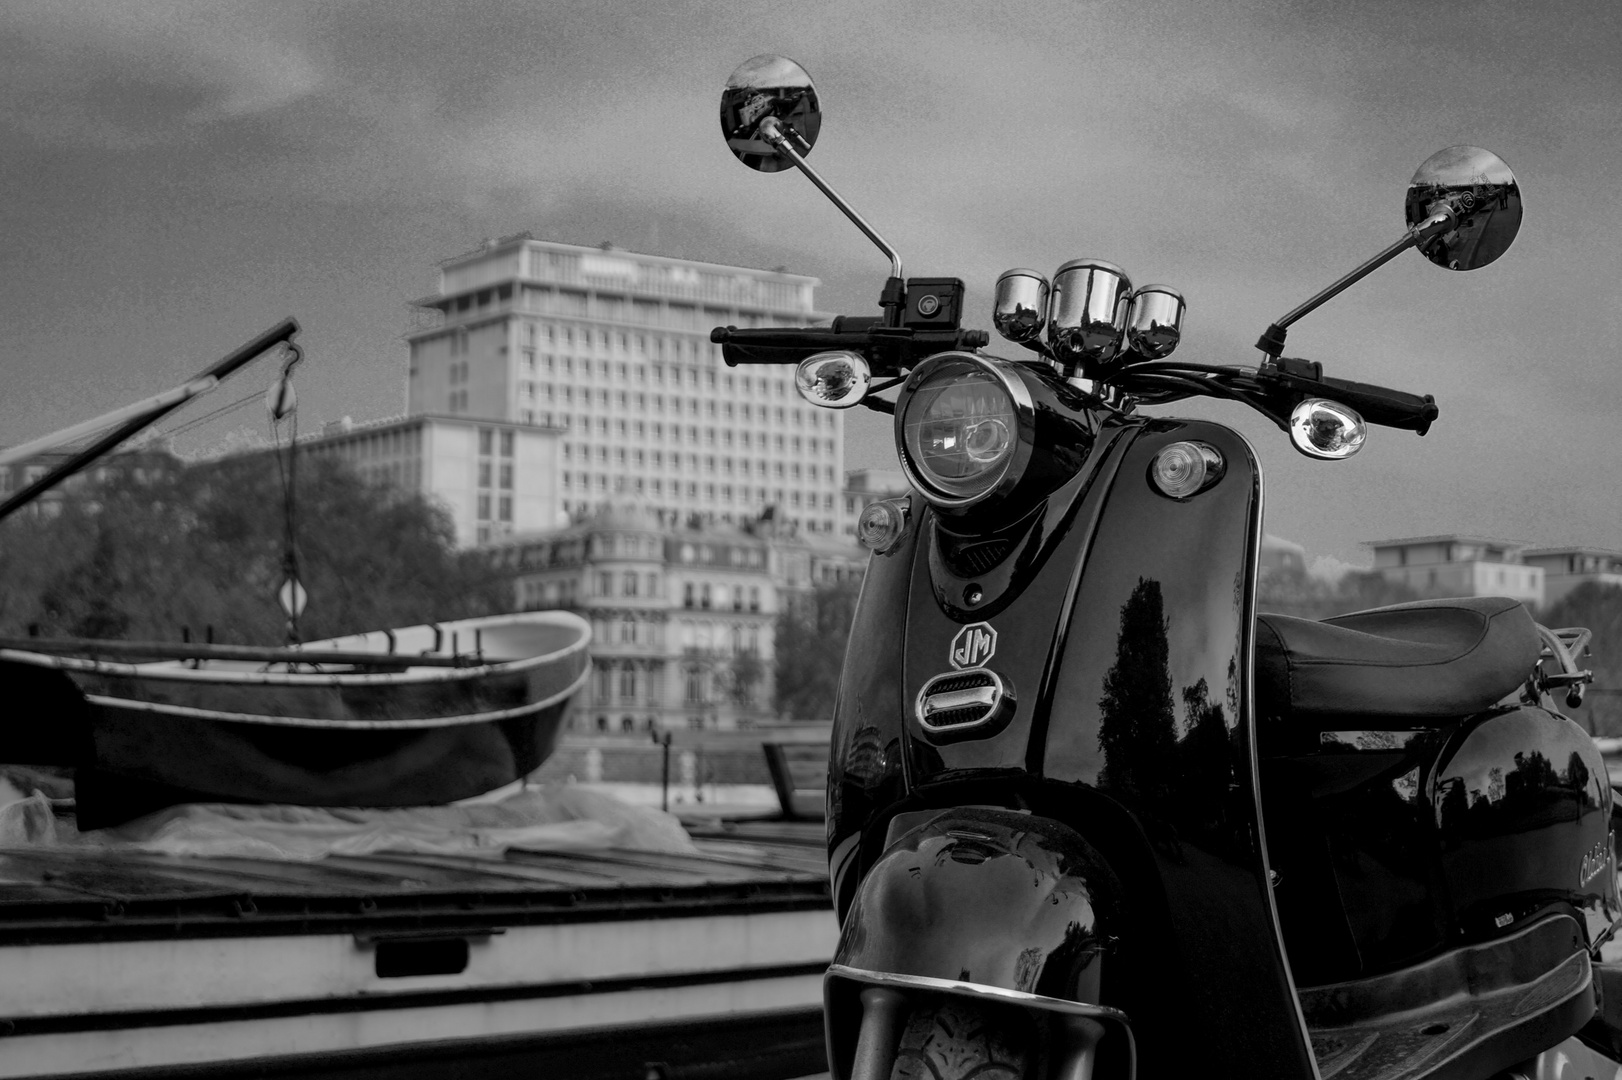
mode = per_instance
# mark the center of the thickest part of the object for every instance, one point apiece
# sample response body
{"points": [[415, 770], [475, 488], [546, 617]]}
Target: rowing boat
{"points": [[415, 716]]}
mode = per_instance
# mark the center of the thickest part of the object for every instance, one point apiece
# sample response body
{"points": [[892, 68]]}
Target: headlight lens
{"points": [[960, 431]]}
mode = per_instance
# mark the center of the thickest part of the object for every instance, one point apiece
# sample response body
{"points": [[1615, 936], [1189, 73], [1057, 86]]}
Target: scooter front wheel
{"points": [[953, 1039]]}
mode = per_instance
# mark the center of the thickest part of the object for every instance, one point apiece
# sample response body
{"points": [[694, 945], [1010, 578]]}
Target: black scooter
{"points": [[1090, 814]]}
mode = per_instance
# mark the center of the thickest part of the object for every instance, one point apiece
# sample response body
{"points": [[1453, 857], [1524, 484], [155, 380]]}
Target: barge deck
{"points": [[585, 964]]}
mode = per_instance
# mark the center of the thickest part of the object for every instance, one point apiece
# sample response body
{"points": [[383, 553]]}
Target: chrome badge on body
{"points": [[973, 646]]}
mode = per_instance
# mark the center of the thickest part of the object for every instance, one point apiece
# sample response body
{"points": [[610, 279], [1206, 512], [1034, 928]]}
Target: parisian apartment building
{"points": [[682, 615]]}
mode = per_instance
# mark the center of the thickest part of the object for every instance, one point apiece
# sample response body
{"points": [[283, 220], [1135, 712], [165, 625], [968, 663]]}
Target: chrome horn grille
{"points": [[961, 703]]}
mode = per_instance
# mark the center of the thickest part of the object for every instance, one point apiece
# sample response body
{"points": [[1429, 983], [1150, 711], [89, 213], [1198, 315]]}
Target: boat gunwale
{"points": [[220, 716], [161, 670]]}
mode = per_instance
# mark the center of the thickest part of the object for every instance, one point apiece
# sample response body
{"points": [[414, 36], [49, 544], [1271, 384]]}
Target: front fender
{"points": [[984, 903], [989, 897]]}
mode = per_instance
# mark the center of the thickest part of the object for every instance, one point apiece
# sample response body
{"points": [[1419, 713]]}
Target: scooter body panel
{"points": [[1129, 652], [1522, 807]]}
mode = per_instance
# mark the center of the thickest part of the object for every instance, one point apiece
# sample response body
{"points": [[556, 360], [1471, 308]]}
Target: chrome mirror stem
{"points": [[772, 131], [1272, 342]]}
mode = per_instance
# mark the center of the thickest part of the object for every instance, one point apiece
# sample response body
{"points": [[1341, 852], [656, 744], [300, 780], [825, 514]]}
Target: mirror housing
{"points": [[1485, 202], [769, 87]]}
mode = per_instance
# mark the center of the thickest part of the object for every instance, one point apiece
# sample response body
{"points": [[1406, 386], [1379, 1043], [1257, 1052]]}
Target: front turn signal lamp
{"points": [[1184, 469], [1327, 430], [882, 525], [833, 380]]}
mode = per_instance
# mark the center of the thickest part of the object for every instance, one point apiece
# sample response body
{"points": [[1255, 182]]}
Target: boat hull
{"points": [[152, 735]]}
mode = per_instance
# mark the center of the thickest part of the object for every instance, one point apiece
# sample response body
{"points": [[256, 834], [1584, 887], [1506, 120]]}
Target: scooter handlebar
{"points": [[1384, 406], [887, 348], [1376, 404]]}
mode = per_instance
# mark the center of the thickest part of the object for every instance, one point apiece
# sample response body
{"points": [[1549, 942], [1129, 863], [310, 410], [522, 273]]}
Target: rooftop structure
{"points": [[1457, 564], [1565, 568]]}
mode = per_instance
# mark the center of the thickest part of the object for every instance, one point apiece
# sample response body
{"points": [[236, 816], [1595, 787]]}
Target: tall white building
{"points": [[612, 348]]}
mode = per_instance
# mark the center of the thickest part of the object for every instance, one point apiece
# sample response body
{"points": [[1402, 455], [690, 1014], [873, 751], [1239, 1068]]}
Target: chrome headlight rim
{"points": [[1024, 429]]}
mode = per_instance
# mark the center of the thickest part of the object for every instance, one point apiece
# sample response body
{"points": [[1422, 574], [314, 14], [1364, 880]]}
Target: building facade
{"points": [[683, 618], [1458, 565], [494, 478], [612, 348], [1565, 568]]}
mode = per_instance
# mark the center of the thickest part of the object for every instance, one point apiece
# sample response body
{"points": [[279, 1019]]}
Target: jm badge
{"points": [[973, 646]]}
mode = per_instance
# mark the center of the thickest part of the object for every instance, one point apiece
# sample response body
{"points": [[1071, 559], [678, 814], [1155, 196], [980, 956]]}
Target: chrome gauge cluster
{"points": [[1088, 316]]}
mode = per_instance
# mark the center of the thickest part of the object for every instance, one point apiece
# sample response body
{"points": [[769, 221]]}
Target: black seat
{"points": [[1429, 659]]}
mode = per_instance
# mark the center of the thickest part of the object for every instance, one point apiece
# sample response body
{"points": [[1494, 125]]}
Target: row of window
{"points": [[624, 401], [603, 484], [629, 723], [573, 550], [693, 377], [627, 685], [623, 342], [636, 457], [755, 442]]}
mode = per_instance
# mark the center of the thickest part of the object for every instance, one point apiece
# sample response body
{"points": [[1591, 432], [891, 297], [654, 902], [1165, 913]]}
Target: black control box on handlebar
{"points": [[930, 323]]}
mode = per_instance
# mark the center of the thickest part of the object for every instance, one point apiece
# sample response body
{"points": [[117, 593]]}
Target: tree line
{"points": [[199, 548]]}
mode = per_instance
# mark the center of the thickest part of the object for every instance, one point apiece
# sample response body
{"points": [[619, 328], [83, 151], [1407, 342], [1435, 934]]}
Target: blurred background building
{"points": [[612, 348], [682, 617], [1454, 564]]}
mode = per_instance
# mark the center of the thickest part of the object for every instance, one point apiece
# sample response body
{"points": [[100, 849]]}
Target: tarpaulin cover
{"points": [[558, 817]]}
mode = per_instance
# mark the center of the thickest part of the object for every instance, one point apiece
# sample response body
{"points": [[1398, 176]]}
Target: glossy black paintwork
{"points": [[1459, 834], [1026, 625], [1349, 834], [1136, 592], [1150, 706], [866, 759], [1522, 808], [989, 897]]}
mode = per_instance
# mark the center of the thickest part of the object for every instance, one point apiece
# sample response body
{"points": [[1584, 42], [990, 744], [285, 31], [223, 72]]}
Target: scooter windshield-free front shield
{"points": [[1127, 641]]}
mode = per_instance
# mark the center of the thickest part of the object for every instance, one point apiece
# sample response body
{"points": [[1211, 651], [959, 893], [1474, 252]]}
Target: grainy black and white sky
{"points": [[177, 176]]}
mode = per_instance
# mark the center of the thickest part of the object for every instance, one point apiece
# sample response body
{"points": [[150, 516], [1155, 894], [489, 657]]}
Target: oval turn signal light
{"points": [[1183, 469], [1326, 429], [881, 525], [833, 380]]}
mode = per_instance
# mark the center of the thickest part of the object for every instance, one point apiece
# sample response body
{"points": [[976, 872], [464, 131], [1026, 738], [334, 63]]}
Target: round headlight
{"points": [[959, 431]]}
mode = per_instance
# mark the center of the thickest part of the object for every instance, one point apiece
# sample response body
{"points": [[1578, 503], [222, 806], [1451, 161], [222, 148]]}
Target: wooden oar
{"points": [[170, 650]]}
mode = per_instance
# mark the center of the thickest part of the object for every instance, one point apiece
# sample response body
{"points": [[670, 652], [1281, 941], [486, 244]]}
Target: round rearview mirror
{"points": [[1486, 203], [769, 87]]}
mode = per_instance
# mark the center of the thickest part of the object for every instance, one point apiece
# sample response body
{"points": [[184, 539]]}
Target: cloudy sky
{"points": [[178, 176]]}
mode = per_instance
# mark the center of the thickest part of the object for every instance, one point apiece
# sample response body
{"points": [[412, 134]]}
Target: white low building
{"points": [[1565, 568], [494, 478], [1454, 564]]}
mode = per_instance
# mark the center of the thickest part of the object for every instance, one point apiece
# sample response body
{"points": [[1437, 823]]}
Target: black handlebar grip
{"points": [[1383, 406], [775, 345]]}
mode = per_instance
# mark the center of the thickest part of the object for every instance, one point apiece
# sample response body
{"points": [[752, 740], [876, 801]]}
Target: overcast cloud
{"points": [[178, 176]]}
